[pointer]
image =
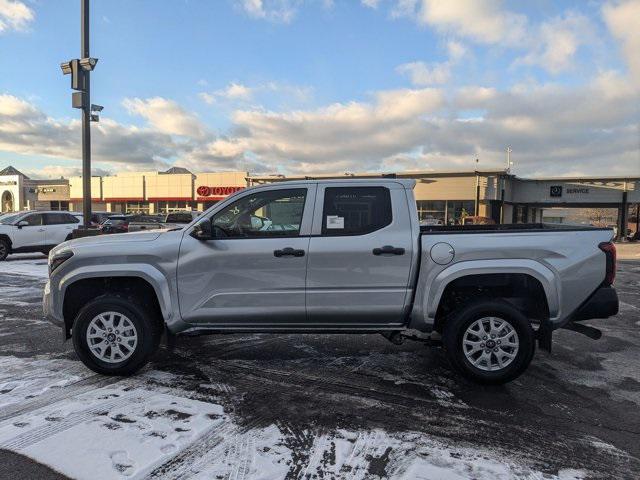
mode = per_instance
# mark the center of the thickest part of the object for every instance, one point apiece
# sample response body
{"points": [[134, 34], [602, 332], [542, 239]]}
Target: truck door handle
{"points": [[388, 250], [288, 252]]}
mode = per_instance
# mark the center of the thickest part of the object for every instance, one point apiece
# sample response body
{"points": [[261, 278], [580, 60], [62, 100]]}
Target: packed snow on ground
{"points": [[128, 429], [34, 266], [22, 380]]}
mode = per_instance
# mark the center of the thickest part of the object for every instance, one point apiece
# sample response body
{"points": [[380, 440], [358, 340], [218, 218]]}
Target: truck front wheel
{"points": [[489, 342], [113, 336]]}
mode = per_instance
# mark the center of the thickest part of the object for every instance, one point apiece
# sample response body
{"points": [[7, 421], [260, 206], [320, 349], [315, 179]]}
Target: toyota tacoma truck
{"points": [[333, 256]]}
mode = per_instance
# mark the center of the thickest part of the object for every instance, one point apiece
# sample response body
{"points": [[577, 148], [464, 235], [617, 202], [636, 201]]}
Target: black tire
{"points": [[457, 325], [148, 330], [4, 249]]}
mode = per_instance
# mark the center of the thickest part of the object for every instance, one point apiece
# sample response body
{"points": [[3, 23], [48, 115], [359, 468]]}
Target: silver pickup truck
{"points": [[334, 256]]}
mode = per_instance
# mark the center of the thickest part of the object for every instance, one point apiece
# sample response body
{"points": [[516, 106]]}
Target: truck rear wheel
{"points": [[113, 336], [489, 342]]}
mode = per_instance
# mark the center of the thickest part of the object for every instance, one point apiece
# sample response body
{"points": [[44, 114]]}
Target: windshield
{"points": [[9, 219]]}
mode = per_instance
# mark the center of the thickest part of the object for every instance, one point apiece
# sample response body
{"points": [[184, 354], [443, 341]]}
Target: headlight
{"points": [[58, 259]]}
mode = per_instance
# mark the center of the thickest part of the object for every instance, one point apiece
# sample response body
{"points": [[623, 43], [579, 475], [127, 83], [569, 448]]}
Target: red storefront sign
{"points": [[206, 192]]}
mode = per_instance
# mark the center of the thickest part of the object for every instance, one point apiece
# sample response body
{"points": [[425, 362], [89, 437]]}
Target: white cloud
{"points": [[422, 74], [238, 93], [484, 21], [553, 129], [623, 20], [14, 15], [234, 91], [166, 116], [24, 129], [280, 11], [370, 3], [557, 42]]}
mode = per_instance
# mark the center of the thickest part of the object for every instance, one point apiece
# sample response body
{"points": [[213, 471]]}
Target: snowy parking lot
{"points": [[314, 406]]}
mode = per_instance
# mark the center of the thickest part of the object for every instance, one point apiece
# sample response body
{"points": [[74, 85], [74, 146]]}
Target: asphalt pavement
{"points": [[323, 406]]}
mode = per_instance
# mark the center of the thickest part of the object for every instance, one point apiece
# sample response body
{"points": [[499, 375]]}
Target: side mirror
{"points": [[23, 223], [202, 230]]}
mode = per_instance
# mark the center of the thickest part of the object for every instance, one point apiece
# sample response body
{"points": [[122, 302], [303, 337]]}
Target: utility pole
{"points": [[86, 117], [508, 170], [80, 70]]}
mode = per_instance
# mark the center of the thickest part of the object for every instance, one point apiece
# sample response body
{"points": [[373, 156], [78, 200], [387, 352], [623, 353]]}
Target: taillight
{"points": [[609, 250]]}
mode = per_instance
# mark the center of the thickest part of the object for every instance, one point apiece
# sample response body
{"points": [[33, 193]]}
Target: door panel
{"points": [[347, 284], [29, 236], [58, 226], [247, 275]]}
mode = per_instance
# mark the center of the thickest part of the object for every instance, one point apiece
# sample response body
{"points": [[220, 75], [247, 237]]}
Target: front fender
{"points": [[543, 274], [147, 272]]}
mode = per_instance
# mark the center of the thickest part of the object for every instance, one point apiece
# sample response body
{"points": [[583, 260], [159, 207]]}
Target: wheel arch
{"points": [[84, 286], [495, 279], [6, 238]]}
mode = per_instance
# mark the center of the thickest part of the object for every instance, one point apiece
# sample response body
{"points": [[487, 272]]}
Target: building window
{"points": [[136, 207], [59, 205], [168, 207], [432, 212], [444, 212], [521, 214]]}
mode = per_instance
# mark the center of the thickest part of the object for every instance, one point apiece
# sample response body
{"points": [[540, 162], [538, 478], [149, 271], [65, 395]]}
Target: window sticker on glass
{"points": [[334, 221]]}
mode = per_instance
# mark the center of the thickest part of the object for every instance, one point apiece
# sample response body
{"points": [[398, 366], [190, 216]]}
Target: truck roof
{"points": [[408, 183]]}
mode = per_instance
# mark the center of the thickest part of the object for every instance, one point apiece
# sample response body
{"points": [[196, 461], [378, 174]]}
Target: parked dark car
{"points": [[98, 218], [116, 224]]}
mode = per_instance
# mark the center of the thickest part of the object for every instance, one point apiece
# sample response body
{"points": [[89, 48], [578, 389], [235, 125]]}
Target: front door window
{"points": [[275, 213]]}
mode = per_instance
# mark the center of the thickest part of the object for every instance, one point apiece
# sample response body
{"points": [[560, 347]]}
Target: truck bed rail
{"points": [[505, 228]]}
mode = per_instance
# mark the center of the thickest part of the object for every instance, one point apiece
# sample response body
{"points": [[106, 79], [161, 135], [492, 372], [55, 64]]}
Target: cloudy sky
{"points": [[313, 86]]}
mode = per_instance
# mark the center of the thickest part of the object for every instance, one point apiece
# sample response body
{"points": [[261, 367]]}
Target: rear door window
{"points": [[59, 218], [355, 210]]}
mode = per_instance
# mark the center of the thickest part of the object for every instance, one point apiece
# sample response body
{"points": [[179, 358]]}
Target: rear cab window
{"points": [[355, 210]]}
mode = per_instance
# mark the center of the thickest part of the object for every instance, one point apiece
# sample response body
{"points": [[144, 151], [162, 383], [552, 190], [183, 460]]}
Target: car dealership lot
{"points": [[315, 406]]}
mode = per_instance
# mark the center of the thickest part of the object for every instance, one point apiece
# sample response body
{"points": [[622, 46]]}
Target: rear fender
{"points": [[479, 267]]}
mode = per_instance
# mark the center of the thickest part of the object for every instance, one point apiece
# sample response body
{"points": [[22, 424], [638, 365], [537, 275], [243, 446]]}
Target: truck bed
{"points": [[506, 227]]}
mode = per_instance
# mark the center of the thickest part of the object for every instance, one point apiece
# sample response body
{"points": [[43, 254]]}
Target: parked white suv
{"points": [[35, 231]]}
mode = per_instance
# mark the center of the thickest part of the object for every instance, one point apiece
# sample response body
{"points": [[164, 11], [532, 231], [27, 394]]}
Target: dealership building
{"points": [[442, 197]]}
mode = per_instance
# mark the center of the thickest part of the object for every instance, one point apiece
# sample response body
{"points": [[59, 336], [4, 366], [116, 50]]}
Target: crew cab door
{"points": [[58, 227], [253, 272], [30, 236], [360, 256]]}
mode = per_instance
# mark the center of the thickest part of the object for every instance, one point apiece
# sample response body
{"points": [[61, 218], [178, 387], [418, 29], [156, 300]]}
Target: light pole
{"points": [[80, 70]]}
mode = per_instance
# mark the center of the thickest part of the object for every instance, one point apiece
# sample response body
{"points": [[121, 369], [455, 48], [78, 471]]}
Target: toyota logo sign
{"points": [[204, 191], [207, 191]]}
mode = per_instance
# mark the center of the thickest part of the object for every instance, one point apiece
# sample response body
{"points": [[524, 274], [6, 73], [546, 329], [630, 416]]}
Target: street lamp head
{"points": [[88, 64], [66, 68]]}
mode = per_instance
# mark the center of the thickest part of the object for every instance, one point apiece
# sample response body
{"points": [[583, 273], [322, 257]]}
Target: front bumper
{"points": [[47, 307], [603, 303]]}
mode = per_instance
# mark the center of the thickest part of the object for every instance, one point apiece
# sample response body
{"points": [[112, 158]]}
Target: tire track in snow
{"points": [[37, 434], [200, 453], [54, 396]]}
